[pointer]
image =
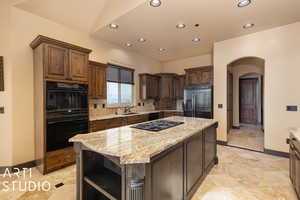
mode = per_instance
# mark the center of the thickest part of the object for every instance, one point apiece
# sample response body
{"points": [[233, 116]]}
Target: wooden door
{"points": [[229, 101], [78, 66], [248, 101], [56, 62]]}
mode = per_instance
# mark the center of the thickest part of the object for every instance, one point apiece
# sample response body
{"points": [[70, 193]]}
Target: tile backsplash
{"points": [[99, 108]]}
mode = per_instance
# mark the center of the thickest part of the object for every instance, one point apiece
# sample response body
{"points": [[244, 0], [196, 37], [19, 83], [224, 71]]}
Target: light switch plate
{"points": [[292, 108], [220, 105]]}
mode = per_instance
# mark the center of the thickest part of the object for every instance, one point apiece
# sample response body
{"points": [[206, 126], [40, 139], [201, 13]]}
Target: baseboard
{"points": [[220, 142], [236, 127], [21, 166], [276, 153]]}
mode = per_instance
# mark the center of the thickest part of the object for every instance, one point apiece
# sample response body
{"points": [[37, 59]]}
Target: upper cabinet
{"points": [[97, 80], [166, 85], [200, 75], [62, 61], [179, 86], [149, 86]]}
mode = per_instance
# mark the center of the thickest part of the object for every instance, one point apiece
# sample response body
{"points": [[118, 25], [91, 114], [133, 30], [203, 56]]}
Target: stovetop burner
{"points": [[157, 125]]}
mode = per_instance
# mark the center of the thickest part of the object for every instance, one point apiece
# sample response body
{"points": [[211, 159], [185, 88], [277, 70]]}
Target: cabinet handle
{"points": [[68, 156]]}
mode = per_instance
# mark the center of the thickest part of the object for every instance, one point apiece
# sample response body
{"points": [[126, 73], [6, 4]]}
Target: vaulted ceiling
{"points": [[218, 20]]}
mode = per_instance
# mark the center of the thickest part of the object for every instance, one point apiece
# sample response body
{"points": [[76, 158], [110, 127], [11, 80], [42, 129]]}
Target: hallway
{"points": [[248, 136]]}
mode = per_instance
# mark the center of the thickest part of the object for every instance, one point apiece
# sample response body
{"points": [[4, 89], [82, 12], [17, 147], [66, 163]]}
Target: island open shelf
{"points": [[130, 164]]}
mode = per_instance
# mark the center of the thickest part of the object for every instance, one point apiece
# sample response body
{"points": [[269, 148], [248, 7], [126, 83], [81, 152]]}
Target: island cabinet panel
{"points": [[194, 161], [167, 175], [56, 62], [295, 163], [210, 146]]}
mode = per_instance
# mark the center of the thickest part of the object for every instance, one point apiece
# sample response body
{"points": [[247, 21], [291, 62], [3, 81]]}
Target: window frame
{"points": [[119, 82]]}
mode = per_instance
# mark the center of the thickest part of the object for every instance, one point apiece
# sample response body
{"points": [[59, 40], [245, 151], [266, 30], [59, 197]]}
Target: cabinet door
{"points": [[100, 82], [78, 66], [181, 86], [209, 146], [167, 87], [194, 160], [92, 79], [206, 77], [56, 62]]}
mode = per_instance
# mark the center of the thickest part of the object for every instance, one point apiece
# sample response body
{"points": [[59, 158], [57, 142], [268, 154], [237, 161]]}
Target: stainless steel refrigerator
{"points": [[198, 101]]}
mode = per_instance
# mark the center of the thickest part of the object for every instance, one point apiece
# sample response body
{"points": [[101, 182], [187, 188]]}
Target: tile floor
{"points": [[240, 175], [248, 136]]}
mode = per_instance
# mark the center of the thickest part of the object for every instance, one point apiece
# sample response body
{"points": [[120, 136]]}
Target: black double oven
{"points": [[67, 113]]}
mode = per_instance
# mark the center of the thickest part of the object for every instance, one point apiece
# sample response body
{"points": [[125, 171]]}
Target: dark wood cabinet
{"points": [[166, 86], [62, 61], [56, 62], [199, 75], [78, 63], [97, 80], [149, 86], [295, 163]]}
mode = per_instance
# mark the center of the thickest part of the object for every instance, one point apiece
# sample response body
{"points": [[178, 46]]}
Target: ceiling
{"points": [[218, 20]]}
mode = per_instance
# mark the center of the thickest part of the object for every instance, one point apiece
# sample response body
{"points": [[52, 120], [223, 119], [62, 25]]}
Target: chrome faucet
{"points": [[127, 110]]}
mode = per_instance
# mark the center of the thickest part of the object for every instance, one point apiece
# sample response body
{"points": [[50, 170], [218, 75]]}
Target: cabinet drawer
{"points": [[137, 119], [60, 158], [98, 125], [116, 122]]}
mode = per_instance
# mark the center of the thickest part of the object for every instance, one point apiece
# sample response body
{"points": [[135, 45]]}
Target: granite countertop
{"points": [[103, 117], [134, 146], [295, 132]]}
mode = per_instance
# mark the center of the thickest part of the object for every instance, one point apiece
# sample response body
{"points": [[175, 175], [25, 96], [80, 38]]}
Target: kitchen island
{"points": [[131, 164]]}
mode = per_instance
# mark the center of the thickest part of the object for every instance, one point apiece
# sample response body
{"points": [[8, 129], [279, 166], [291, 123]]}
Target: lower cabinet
{"points": [[210, 146], [295, 164], [100, 125], [59, 159]]}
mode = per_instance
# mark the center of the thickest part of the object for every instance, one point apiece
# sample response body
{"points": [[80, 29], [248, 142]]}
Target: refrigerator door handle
{"points": [[194, 105]]}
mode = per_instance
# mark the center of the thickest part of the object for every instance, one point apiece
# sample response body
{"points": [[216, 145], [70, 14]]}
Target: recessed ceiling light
{"points": [[196, 40], [155, 3], [162, 49], [247, 26], [113, 26], [142, 40], [243, 3], [180, 26], [128, 44]]}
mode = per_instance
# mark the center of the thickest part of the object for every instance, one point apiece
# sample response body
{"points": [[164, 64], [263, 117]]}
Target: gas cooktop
{"points": [[157, 125]]}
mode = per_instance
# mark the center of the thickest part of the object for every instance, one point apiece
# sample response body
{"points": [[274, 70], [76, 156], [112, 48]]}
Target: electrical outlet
{"points": [[1, 110], [95, 106], [220, 105], [103, 105]]}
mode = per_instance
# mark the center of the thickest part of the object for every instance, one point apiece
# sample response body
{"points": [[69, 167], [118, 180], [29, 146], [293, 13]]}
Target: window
{"points": [[119, 86]]}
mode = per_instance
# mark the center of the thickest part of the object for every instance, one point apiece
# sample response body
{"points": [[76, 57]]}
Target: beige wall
{"points": [[5, 97], [239, 70], [25, 27], [178, 66], [280, 47]]}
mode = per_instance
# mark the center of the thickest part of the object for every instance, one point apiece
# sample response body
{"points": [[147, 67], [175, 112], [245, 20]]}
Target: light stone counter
{"points": [[134, 146], [112, 116], [295, 132]]}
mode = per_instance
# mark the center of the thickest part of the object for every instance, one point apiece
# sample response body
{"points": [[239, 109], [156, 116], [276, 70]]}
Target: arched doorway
{"points": [[245, 96]]}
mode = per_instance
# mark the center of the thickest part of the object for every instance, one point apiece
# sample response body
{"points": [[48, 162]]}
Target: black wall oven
{"points": [[66, 113]]}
